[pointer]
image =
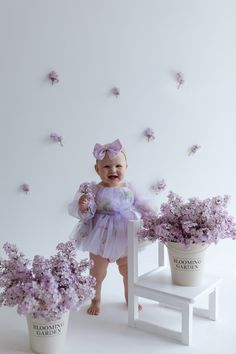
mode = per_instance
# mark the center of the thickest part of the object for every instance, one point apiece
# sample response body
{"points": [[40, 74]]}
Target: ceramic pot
{"points": [[47, 337], [187, 263]]}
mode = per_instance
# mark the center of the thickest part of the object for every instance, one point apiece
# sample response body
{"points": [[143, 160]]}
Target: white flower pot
{"points": [[47, 337], [186, 264]]}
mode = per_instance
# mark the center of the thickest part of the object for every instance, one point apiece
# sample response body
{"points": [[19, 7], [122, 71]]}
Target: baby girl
{"points": [[104, 210]]}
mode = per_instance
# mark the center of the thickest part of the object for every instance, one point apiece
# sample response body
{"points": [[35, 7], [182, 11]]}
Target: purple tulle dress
{"points": [[103, 229]]}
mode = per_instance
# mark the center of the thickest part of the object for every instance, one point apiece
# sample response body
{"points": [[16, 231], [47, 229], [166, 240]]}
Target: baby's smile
{"points": [[112, 177]]}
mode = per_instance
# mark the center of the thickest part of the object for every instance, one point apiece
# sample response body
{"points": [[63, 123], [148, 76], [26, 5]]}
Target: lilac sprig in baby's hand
{"points": [[87, 188], [86, 201]]}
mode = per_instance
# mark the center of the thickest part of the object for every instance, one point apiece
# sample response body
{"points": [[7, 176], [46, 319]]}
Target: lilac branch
{"points": [[159, 186], [194, 148], [149, 134], [180, 79], [56, 138], [53, 77], [25, 188], [115, 92]]}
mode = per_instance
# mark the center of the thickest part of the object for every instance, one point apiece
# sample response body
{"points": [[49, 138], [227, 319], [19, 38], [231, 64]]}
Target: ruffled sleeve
{"points": [[143, 201], [73, 208]]}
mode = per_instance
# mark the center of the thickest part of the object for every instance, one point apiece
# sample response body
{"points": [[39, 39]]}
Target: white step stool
{"points": [[157, 285]]}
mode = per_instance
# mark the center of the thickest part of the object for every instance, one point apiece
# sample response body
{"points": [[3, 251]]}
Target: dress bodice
{"points": [[115, 199]]}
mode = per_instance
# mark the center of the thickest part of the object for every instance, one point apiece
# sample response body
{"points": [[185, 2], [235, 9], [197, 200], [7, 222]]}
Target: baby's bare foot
{"points": [[94, 308]]}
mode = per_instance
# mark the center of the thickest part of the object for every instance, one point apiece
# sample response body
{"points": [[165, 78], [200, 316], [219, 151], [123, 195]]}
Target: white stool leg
{"points": [[213, 305], [133, 226], [161, 254], [132, 310], [187, 320]]}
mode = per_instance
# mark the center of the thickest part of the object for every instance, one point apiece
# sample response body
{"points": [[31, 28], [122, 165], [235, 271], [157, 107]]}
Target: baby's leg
{"points": [[123, 269], [99, 271]]}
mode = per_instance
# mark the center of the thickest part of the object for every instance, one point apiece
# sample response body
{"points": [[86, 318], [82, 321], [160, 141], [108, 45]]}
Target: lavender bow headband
{"points": [[111, 149]]}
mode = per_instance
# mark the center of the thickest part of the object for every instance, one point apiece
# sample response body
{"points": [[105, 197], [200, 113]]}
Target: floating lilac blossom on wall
{"points": [[159, 186], [25, 188], [149, 134], [56, 138], [115, 92], [53, 77], [194, 148], [179, 79]]}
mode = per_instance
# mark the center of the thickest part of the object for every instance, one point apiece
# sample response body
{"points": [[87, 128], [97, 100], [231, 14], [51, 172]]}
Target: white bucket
{"points": [[47, 337], [186, 263]]}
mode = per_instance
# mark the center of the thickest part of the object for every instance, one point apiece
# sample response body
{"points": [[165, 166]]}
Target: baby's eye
{"points": [[106, 166], [118, 166]]}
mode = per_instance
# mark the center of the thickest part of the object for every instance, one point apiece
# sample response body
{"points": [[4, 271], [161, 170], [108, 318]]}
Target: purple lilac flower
{"points": [[115, 92], [53, 77], [149, 134], [56, 138], [194, 148], [25, 188], [180, 79], [192, 222], [88, 188], [159, 186], [50, 286]]}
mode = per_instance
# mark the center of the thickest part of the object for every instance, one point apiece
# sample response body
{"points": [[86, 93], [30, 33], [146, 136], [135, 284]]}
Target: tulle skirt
{"points": [[104, 235]]}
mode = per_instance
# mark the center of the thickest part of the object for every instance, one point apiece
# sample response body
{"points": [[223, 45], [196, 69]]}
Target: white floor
{"points": [[109, 332]]}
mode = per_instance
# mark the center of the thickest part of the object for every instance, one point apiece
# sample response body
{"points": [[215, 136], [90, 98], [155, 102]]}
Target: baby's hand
{"points": [[83, 203]]}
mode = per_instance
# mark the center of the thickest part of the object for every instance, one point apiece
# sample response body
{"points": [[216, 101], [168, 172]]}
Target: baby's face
{"points": [[112, 172]]}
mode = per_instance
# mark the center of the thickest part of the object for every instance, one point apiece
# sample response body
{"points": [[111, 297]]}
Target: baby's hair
{"points": [[124, 155]]}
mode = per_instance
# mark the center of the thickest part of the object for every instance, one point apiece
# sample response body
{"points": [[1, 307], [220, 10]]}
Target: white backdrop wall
{"points": [[94, 45]]}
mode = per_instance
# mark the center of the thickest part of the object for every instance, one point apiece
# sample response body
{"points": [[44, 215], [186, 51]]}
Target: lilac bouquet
{"points": [[193, 222], [49, 287], [89, 189]]}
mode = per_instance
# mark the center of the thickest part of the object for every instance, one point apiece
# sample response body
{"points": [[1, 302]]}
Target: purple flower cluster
{"points": [[56, 138], [53, 77], [193, 222], [50, 286], [115, 91], [25, 188], [89, 188], [149, 134], [194, 148], [180, 79], [159, 186]]}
